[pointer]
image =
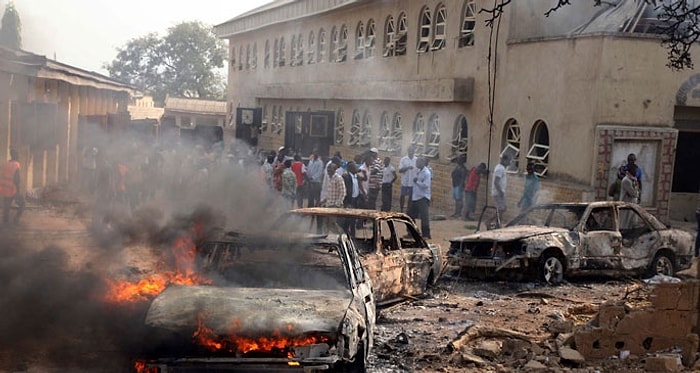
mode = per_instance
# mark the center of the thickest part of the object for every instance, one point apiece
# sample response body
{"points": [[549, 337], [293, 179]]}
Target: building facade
{"points": [[573, 93]]}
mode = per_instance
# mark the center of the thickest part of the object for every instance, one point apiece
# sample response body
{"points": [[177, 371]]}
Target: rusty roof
{"points": [[193, 105], [358, 213]]}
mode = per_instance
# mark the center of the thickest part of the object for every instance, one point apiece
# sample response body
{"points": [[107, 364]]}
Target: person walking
{"points": [[335, 194], [314, 179], [421, 196], [472, 188], [459, 177], [531, 190], [407, 169], [10, 188], [388, 179], [498, 186]]}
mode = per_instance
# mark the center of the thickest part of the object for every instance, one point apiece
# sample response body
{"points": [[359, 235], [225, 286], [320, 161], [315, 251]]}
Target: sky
{"points": [[86, 33]]}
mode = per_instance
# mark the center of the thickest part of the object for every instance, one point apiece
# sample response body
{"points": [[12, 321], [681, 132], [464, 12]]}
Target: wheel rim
{"points": [[664, 266], [553, 270]]}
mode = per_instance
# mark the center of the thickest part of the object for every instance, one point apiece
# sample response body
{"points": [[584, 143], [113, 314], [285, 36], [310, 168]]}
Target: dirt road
{"points": [[53, 272]]}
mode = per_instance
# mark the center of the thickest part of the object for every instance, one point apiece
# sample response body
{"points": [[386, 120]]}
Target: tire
{"points": [[662, 265], [551, 269]]}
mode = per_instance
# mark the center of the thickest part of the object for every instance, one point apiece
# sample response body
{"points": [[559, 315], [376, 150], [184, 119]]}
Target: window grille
{"points": [[282, 54], [466, 33], [539, 151], [460, 137], [321, 46], [426, 24], [440, 29], [512, 142], [432, 148], [366, 130], [254, 57], [402, 35], [299, 56], [355, 129], [360, 41], [267, 54], [389, 37], [369, 39], [418, 139], [335, 40], [340, 128], [311, 54]]}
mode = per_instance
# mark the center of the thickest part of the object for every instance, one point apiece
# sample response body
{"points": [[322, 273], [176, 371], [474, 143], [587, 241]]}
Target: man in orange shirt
{"points": [[9, 187]]}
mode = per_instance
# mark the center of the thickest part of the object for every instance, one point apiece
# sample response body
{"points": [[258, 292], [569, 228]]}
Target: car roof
{"points": [[344, 212]]}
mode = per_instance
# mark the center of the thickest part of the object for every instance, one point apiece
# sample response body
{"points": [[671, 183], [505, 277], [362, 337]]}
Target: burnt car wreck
{"points": [[552, 241], [399, 261], [301, 303]]}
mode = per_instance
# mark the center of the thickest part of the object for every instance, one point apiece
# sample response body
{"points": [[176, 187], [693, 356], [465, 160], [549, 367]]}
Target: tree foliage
{"points": [[11, 29], [679, 24], [183, 63]]}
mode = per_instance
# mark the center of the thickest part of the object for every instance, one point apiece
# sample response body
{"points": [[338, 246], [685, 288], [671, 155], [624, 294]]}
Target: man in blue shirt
{"points": [[421, 196], [314, 176]]}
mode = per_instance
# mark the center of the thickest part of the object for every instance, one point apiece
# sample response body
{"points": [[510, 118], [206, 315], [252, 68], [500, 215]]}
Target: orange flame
{"points": [[184, 254], [140, 367], [279, 343]]}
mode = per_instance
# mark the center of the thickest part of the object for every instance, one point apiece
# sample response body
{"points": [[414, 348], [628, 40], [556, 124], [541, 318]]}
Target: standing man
{"points": [[498, 187], [375, 178], [314, 178], [629, 192], [532, 188], [388, 178], [472, 188], [407, 169], [632, 160], [289, 183], [459, 177], [421, 196], [10, 187], [299, 170], [352, 190], [335, 193]]}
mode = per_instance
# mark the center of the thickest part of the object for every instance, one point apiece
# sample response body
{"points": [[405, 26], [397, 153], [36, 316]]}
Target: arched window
{"points": [[401, 34], [293, 49], [311, 54], [384, 131], [335, 40], [389, 37], [321, 46], [254, 57], [360, 41], [432, 147], [241, 60], [340, 127], [466, 33], [440, 28], [370, 38], [282, 53], [418, 140], [233, 59], [397, 133], [275, 53], [539, 150], [460, 137], [511, 144], [342, 53], [247, 57], [366, 131], [299, 56], [267, 54], [355, 129], [424, 32]]}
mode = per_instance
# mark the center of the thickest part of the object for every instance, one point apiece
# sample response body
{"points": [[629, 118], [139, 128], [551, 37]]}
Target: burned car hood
{"points": [[509, 233], [248, 310]]}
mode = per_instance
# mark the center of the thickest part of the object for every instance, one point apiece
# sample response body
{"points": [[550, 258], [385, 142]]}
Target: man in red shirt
{"points": [[299, 170], [9, 187], [471, 189]]}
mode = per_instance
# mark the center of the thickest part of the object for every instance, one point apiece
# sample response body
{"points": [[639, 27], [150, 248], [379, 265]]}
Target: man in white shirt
{"points": [[498, 186], [421, 196], [407, 169], [388, 178]]}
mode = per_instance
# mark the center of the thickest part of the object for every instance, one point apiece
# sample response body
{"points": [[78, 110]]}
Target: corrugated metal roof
{"points": [[141, 112], [192, 105]]}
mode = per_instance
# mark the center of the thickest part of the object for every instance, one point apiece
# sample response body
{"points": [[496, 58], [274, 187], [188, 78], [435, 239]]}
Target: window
{"points": [[360, 41], [406, 234], [333, 55], [247, 57], [418, 140], [340, 128], [293, 49], [299, 56], [355, 129], [384, 132], [401, 35], [275, 54], [369, 39], [265, 120], [311, 54], [282, 53], [389, 37], [241, 61], [397, 133], [233, 58], [511, 144], [267, 54], [342, 48], [539, 151], [277, 116], [366, 131], [426, 25], [460, 137], [601, 219], [432, 148], [321, 46], [254, 57], [466, 33], [440, 29]]}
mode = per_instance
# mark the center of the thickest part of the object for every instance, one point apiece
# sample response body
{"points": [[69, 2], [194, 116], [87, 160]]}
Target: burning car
{"points": [[399, 261], [556, 240], [290, 302]]}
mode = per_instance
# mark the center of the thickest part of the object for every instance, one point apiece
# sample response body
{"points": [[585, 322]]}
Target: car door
{"points": [[381, 267], [362, 280], [416, 256], [639, 239], [601, 241]]}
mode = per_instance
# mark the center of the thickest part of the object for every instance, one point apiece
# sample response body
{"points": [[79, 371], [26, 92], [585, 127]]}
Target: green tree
{"points": [[11, 29], [183, 63]]}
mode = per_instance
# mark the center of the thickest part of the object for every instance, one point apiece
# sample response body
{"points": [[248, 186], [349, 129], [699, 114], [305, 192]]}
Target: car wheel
{"points": [[661, 265], [551, 269]]}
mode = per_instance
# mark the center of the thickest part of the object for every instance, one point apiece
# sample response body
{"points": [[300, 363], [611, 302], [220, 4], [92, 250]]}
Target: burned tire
{"points": [[551, 268], [662, 265]]}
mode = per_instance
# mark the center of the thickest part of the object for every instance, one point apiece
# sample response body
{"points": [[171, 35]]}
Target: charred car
{"points": [[556, 240], [296, 302], [399, 261]]}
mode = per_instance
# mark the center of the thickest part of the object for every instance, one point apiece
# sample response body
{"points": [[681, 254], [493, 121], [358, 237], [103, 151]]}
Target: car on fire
{"points": [[556, 240], [299, 302], [400, 262]]}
